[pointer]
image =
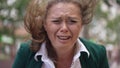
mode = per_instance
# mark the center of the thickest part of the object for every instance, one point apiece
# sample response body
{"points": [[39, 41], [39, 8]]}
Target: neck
{"points": [[64, 57], [65, 53], [60, 53]]}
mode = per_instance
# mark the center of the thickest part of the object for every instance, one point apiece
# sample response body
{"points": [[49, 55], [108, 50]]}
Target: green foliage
{"points": [[20, 5], [106, 1], [3, 4], [118, 2], [2, 18], [114, 24], [99, 13]]}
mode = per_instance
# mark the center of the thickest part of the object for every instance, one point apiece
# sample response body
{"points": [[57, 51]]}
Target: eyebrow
{"points": [[60, 18], [75, 18], [72, 18]]}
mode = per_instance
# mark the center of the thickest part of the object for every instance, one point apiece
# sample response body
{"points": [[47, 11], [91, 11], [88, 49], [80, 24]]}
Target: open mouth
{"points": [[64, 37]]}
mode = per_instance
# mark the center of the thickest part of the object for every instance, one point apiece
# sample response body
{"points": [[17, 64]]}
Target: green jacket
{"points": [[97, 58]]}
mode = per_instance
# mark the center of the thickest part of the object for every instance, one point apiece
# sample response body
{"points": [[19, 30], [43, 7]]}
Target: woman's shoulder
{"points": [[91, 45], [22, 55], [25, 48], [25, 45], [94, 48], [97, 51]]}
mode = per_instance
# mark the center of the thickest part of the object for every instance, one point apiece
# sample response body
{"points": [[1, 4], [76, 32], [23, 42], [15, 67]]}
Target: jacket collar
{"points": [[80, 47]]}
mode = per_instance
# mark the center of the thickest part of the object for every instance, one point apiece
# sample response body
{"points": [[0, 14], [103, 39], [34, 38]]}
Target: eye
{"points": [[72, 21], [56, 21]]}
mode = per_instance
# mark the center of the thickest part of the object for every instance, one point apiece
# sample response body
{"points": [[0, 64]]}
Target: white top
{"points": [[48, 63]]}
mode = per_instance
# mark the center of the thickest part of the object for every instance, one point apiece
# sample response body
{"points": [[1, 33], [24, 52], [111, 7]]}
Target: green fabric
{"points": [[97, 58]]}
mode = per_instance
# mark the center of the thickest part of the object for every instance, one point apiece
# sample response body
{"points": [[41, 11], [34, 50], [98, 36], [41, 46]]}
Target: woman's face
{"points": [[63, 24]]}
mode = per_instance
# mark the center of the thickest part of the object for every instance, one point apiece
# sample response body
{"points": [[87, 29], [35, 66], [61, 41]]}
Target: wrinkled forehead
{"points": [[51, 3], [64, 9], [59, 6]]}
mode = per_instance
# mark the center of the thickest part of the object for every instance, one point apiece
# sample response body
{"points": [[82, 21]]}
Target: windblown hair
{"points": [[37, 11]]}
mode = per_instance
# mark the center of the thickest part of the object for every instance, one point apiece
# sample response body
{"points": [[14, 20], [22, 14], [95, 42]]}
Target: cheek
{"points": [[51, 29], [50, 32], [76, 30]]}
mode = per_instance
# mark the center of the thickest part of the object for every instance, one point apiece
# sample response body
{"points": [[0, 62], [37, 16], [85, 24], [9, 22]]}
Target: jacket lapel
{"points": [[87, 62], [35, 64]]}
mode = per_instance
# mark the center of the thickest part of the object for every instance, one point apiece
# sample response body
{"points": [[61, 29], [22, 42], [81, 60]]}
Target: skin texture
{"points": [[63, 26]]}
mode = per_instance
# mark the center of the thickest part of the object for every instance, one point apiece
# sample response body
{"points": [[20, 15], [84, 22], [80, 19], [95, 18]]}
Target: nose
{"points": [[64, 28]]}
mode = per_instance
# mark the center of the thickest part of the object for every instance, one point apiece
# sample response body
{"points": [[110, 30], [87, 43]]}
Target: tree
{"points": [[10, 15], [113, 25]]}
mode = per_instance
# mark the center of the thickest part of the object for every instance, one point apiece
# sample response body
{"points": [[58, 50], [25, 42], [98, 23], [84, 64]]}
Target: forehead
{"points": [[64, 8]]}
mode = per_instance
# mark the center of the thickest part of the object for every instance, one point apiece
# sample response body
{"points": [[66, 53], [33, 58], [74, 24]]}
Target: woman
{"points": [[54, 26]]}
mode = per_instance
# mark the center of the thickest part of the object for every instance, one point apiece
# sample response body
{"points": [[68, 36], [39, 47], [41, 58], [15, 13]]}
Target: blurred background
{"points": [[104, 29]]}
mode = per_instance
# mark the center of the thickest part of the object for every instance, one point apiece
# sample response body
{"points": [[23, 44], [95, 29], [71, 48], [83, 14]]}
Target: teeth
{"points": [[63, 37]]}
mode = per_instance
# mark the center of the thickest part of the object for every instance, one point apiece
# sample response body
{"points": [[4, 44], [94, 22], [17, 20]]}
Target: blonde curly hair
{"points": [[37, 10]]}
